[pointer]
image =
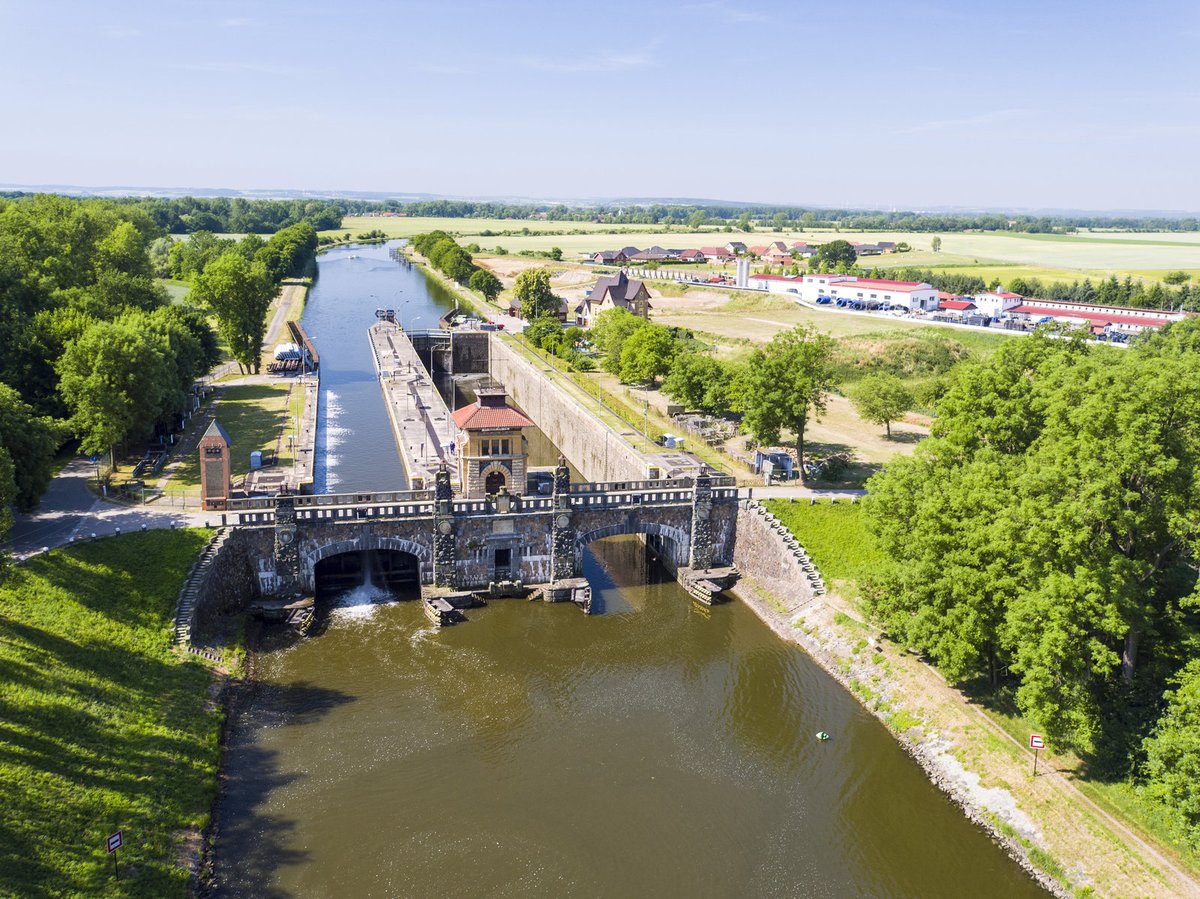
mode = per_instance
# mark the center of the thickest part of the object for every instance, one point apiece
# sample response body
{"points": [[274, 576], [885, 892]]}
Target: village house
{"points": [[610, 257], [995, 303], [617, 291], [803, 250], [716, 254], [650, 254], [691, 256], [735, 247], [777, 253]]}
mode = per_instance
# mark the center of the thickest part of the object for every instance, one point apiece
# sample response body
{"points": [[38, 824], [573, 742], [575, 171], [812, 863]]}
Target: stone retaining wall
{"points": [[762, 554]]}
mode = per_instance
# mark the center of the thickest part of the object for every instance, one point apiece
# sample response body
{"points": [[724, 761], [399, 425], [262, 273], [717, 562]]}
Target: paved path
{"points": [[70, 510]]}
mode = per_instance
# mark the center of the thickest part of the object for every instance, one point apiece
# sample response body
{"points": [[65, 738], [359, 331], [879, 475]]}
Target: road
{"points": [[70, 510]]}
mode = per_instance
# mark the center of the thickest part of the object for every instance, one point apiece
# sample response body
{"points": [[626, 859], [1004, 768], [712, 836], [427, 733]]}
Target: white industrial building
{"points": [[995, 303], [775, 283], [911, 295]]}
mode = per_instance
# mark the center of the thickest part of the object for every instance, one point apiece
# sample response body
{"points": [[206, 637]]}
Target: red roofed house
{"points": [[956, 305], [777, 254], [492, 447], [994, 303], [758, 251], [1126, 320], [716, 254], [691, 256]]}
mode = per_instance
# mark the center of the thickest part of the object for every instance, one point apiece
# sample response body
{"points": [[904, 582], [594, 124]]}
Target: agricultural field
{"points": [[1063, 257]]}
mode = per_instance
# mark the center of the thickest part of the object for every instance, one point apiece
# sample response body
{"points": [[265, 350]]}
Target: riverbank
{"points": [[106, 725], [1045, 822]]}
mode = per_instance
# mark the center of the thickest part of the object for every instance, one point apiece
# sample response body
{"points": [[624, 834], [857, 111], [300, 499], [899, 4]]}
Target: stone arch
{"points": [[496, 468], [310, 557], [678, 540]]}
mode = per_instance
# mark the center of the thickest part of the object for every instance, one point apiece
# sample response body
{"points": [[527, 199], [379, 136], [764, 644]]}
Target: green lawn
{"points": [[102, 724], [835, 536], [253, 415]]}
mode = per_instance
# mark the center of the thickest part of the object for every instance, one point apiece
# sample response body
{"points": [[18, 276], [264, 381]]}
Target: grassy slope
{"points": [[101, 723], [835, 535]]}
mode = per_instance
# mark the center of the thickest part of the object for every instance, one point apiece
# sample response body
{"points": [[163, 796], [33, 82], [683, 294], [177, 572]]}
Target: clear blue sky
{"points": [[890, 104]]}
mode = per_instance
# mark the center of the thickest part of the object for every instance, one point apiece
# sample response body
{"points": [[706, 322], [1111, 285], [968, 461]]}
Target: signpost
{"points": [[96, 462], [1035, 743], [114, 842]]}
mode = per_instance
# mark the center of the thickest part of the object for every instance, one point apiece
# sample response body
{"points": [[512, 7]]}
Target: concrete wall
{"points": [[598, 452], [231, 582]]}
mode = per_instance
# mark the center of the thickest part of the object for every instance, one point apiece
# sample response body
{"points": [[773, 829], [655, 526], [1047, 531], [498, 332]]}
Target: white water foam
{"points": [[360, 603]]}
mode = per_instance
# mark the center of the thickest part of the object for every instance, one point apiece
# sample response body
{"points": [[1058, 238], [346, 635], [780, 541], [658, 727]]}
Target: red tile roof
{"points": [[960, 305], [476, 417], [795, 279], [1148, 321], [881, 284]]}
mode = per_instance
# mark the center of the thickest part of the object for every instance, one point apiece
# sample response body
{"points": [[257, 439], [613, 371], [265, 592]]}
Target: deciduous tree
{"points": [[882, 399], [484, 282], [783, 384], [239, 293]]}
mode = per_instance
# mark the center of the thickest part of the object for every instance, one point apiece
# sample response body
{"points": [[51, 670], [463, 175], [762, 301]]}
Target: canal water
{"points": [[355, 450], [657, 749]]}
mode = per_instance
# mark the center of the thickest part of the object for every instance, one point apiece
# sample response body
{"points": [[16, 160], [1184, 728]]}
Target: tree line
{"points": [[1043, 541], [456, 263], [782, 217]]}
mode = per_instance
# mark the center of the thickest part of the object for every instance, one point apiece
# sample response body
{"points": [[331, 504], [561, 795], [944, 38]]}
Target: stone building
{"points": [[492, 446]]}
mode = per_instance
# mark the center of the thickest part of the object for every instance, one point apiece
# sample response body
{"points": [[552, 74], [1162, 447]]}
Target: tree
{"points": [[532, 289], [882, 399], [484, 282], [555, 253], [1176, 278], [836, 253], [696, 219], [114, 379], [783, 383], [239, 294], [936, 244], [1172, 768], [612, 328], [646, 354], [743, 222], [30, 441], [699, 382]]}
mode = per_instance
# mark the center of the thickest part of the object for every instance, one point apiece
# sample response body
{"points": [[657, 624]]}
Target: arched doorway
{"points": [[394, 571], [493, 482]]}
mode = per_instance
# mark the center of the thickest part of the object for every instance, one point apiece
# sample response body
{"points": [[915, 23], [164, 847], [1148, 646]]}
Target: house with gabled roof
{"points": [[735, 247], [716, 254], [691, 256], [617, 291], [610, 257]]}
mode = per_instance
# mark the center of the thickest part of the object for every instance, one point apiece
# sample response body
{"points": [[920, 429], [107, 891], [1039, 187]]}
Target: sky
{"points": [[888, 105]]}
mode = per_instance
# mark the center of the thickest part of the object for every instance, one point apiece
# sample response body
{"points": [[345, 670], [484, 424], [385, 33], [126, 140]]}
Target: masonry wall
{"points": [[761, 554], [594, 449], [231, 583]]}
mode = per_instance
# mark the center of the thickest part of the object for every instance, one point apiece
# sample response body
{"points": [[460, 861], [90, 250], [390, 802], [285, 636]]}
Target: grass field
{"points": [[254, 415], [102, 725]]}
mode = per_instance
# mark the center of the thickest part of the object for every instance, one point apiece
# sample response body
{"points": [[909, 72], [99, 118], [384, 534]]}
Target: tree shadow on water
{"points": [[253, 842]]}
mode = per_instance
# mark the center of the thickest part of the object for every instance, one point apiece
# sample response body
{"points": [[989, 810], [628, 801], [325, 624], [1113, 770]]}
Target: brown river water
{"points": [[658, 748]]}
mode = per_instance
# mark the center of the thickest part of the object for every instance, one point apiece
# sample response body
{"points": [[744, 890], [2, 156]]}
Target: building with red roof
{"points": [[492, 446]]}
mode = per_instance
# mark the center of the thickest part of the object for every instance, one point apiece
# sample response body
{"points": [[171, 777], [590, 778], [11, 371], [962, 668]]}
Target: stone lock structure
{"points": [[462, 543]]}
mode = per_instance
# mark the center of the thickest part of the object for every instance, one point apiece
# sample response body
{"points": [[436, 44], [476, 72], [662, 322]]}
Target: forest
{"points": [[1043, 543], [94, 349]]}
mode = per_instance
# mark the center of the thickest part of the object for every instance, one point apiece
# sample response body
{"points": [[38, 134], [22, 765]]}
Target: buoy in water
{"points": [[821, 735]]}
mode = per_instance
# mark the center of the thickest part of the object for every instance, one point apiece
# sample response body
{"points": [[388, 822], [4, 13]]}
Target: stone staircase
{"points": [[185, 606], [800, 558]]}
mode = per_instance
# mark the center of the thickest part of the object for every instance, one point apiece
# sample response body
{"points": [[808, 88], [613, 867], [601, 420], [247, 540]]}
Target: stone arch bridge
{"points": [[467, 544]]}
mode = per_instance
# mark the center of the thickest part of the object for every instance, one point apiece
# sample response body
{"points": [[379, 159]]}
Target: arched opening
{"points": [[392, 571], [493, 482]]}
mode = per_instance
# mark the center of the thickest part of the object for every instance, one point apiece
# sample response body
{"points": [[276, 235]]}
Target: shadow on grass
{"points": [[909, 437]]}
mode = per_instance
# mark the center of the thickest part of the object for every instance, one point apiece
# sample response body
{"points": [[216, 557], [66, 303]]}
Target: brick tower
{"points": [[215, 472]]}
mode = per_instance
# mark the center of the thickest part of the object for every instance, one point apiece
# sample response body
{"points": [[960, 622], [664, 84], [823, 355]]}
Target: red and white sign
{"points": [[116, 841], [1036, 741]]}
